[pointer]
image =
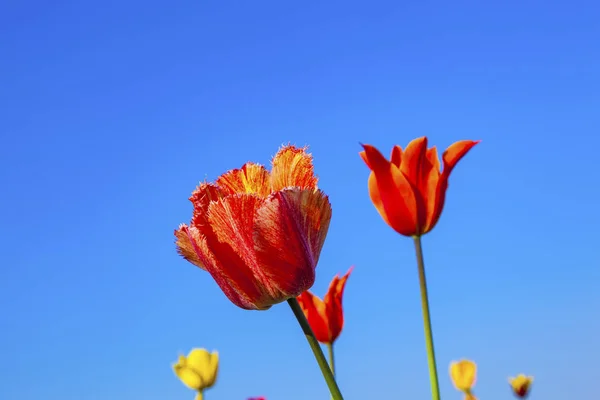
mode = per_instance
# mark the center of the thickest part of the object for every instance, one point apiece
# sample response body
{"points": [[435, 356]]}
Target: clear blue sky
{"points": [[112, 111]]}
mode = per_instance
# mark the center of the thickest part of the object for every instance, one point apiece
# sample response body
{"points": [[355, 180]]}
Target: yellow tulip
{"points": [[463, 374], [198, 370], [521, 385]]}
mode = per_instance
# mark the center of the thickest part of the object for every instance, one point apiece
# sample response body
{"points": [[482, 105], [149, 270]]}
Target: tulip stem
{"points": [[316, 348], [331, 358], [433, 376]]}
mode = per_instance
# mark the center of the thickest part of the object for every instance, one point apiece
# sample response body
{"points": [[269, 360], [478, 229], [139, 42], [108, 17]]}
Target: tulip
{"points": [[409, 191], [463, 374], [326, 318], [521, 385], [259, 234], [198, 370]]}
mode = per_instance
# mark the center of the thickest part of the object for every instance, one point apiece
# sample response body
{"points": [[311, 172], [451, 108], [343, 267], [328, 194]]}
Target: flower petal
{"points": [[251, 178], [333, 303], [391, 193], [198, 360], [418, 170], [293, 167], [237, 271], [188, 376], [291, 227], [201, 198], [396, 156], [185, 246], [455, 152], [463, 374], [451, 157], [227, 283], [315, 311]]}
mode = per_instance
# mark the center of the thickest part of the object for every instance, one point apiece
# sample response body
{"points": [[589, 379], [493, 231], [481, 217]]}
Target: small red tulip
{"points": [[409, 191], [326, 318], [258, 233]]}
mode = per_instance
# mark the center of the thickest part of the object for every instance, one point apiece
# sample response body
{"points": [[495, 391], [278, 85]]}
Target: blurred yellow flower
{"points": [[198, 370], [463, 374], [470, 396], [521, 385]]}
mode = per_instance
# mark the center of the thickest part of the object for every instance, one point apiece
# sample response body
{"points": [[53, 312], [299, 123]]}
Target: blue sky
{"points": [[112, 112]]}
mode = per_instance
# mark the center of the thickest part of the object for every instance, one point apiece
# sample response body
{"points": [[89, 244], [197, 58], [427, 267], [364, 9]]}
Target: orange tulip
{"points": [[259, 234], [326, 318], [409, 191]]}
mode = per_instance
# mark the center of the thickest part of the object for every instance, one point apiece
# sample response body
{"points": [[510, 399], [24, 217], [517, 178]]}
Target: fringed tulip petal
{"points": [[204, 194], [251, 178], [293, 167], [291, 227], [186, 245], [236, 269]]}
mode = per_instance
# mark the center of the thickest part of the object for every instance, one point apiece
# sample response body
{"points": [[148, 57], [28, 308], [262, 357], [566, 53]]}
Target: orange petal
{"points": [[231, 242], [201, 198], [455, 152], [391, 193], [314, 309], [290, 230], [431, 183], [333, 303], [251, 178], [185, 247], [293, 167], [363, 155], [451, 157]]}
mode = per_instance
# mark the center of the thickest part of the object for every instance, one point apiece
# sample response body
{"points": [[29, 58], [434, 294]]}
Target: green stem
{"points": [[316, 348], [433, 377], [331, 359]]}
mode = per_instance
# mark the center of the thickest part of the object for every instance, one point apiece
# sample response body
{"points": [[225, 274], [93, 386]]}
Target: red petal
{"points": [[293, 167], [251, 178], [290, 229], [333, 304], [397, 156], [451, 157], [230, 240], [315, 312], [417, 170], [201, 198], [391, 193], [235, 283]]}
